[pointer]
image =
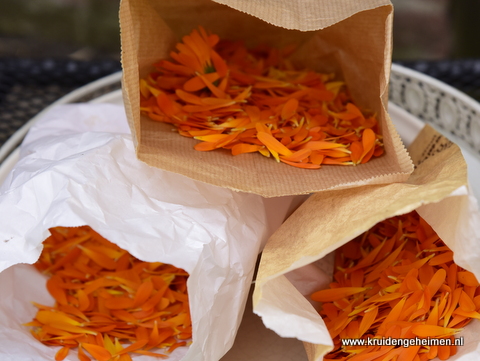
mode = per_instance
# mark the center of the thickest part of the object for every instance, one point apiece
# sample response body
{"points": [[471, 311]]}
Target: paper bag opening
{"points": [[354, 44], [437, 190], [107, 302]]}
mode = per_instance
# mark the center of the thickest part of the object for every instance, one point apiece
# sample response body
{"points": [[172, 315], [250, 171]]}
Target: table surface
{"points": [[29, 85]]}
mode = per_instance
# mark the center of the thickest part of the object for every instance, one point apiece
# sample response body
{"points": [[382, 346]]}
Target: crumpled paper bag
{"points": [[78, 167], [297, 259], [349, 38]]}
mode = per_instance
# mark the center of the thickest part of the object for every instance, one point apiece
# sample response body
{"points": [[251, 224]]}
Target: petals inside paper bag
{"points": [[72, 173], [351, 43], [256, 100], [397, 280], [105, 298]]}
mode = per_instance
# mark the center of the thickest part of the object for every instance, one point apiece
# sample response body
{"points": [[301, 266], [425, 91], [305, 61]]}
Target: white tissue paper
{"points": [[78, 167]]}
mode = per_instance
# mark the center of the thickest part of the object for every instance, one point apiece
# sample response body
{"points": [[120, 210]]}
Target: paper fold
{"points": [[307, 15]]}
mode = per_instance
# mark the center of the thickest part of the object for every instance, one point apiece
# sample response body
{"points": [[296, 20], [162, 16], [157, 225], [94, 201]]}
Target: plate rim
{"points": [[402, 70], [74, 96]]}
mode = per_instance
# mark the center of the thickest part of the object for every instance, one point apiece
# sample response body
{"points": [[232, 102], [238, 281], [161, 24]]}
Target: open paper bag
{"points": [[78, 167], [348, 38], [296, 260]]}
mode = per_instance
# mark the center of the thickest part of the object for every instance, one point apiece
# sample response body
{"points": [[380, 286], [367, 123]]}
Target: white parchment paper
{"points": [[78, 167]]}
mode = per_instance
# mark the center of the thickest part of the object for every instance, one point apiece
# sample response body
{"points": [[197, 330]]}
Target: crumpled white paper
{"points": [[78, 167]]}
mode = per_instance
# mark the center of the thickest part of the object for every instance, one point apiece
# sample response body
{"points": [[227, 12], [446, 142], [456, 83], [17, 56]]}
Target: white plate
{"points": [[254, 342]]}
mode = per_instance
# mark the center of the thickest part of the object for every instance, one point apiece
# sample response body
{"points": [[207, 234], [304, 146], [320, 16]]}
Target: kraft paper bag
{"points": [[349, 38], [297, 259]]}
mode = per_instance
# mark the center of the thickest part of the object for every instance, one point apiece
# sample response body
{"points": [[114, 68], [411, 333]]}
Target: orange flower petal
{"points": [[62, 353], [99, 353], [329, 295], [272, 144]]}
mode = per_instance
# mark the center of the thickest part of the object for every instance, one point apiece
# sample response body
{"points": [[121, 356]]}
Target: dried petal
{"points": [[329, 295]]}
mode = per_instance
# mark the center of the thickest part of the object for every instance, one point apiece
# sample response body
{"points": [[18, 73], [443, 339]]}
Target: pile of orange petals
{"points": [[108, 303], [251, 101], [397, 280]]}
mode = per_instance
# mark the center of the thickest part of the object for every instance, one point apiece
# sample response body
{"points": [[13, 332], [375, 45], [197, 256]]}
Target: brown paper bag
{"points": [[350, 38], [289, 271]]}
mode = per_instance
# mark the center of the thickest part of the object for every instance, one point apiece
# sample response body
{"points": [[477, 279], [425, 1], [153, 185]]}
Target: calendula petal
{"points": [[123, 315], [290, 108], [443, 352], [179, 69], [155, 299], [242, 148], [109, 345], [368, 141], [329, 295], [196, 83], [83, 300], [356, 149], [392, 316], [205, 146], [441, 258], [301, 165], [49, 317], [219, 64], [151, 354], [214, 89], [319, 144], [62, 353], [55, 289], [187, 60], [81, 354], [116, 303], [99, 353], [143, 293], [437, 280], [188, 97], [367, 320], [99, 258], [133, 347], [297, 156], [272, 144], [212, 138], [433, 331], [467, 278], [176, 345], [433, 316], [466, 303]]}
